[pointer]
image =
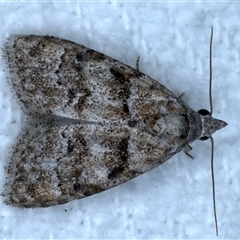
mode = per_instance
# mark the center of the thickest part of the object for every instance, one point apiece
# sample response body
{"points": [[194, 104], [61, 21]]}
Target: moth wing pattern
{"points": [[93, 122], [67, 79], [68, 162]]}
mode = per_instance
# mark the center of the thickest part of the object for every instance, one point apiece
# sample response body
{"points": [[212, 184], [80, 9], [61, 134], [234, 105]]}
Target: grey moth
{"points": [[93, 122]]}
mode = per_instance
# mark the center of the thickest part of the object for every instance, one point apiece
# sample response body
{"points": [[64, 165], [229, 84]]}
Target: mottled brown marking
{"points": [[80, 105]]}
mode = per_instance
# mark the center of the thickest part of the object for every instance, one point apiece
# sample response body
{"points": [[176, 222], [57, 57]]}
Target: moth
{"points": [[93, 122]]}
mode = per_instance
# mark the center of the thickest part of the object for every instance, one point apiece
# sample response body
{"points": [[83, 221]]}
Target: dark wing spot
{"points": [[123, 152], [70, 146], [118, 75], [116, 172], [124, 92], [91, 189], [132, 123], [123, 149], [79, 57], [93, 55], [77, 186]]}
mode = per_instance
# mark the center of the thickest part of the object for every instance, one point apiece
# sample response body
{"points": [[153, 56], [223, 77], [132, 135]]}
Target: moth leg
{"points": [[187, 149], [181, 95], [137, 63]]}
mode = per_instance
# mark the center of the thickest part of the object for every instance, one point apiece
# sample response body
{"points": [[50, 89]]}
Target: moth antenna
{"points": [[213, 186], [212, 142], [210, 77]]}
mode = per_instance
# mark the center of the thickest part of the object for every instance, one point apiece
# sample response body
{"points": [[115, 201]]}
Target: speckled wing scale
{"points": [[93, 122]]}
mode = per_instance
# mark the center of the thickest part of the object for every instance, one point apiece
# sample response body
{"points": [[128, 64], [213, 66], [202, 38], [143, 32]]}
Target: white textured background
{"points": [[172, 40]]}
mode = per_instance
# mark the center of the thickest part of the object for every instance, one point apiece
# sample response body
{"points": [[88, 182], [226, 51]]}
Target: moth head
{"points": [[209, 124]]}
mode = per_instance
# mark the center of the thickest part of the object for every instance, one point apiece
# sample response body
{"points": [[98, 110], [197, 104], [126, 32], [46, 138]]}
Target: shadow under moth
{"points": [[92, 122]]}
